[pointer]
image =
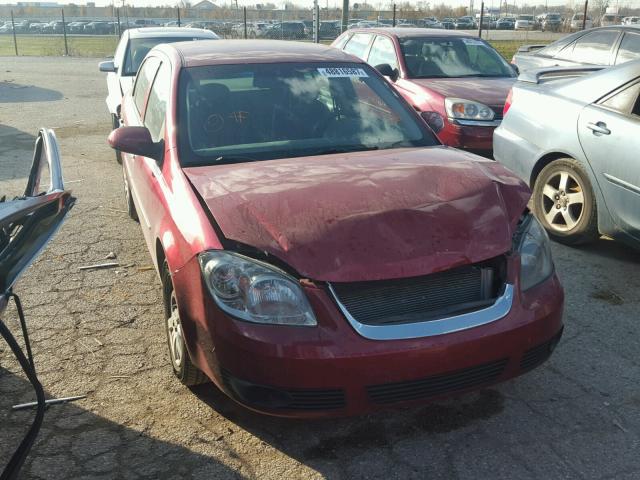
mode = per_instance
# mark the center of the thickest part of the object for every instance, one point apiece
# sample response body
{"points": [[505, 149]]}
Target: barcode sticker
{"points": [[342, 72]]}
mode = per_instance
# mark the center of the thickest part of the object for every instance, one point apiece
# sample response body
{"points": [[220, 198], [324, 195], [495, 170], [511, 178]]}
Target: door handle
{"points": [[599, 128]]}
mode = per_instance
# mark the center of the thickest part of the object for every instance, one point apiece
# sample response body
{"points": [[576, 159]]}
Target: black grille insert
{"points": [[274, 398], [417, 299], [437, 384], [539, 354]]}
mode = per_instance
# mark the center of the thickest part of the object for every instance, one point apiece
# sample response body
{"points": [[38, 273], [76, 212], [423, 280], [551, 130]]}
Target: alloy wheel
{"points": [[562, 201]]}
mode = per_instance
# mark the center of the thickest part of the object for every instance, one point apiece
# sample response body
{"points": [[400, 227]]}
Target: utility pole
{"points": [[345, 14], [584, 17]]}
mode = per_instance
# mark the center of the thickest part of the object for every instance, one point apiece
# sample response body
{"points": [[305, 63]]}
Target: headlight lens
{"points": [[468, 110], [536, 264], [253, 291]]}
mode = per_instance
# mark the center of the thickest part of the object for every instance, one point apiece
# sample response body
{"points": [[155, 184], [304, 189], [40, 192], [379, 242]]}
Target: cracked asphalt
{"points": [[100, 333]]}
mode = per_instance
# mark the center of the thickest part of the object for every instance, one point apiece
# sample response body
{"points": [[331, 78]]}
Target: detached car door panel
{"points": [[609, 133]]}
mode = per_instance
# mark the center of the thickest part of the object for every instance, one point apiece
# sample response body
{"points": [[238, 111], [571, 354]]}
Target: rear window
{"points": [[552, 49], [139, 47]]}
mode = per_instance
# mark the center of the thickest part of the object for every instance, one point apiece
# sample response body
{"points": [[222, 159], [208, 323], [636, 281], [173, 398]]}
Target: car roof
{"points": [[222, 52], [173, 32], [412, 32]]}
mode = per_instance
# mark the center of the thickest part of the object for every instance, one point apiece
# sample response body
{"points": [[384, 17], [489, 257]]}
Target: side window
{"points": [[143, 81], [629, 48], [593, 48], [383, 51], [358, 45], [156, 113], [624, 101]]}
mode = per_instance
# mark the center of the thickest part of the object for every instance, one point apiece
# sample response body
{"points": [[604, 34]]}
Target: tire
{"points": [[131, 207], [564, 202], [115, 123], [183, 367]]}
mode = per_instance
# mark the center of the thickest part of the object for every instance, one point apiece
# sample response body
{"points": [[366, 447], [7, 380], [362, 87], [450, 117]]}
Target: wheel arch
{"points": [[160, 255], [545, 160]]}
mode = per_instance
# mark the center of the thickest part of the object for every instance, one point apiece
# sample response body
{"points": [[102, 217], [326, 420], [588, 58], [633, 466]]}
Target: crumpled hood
{"points": [[490, 91], [367, 215]]}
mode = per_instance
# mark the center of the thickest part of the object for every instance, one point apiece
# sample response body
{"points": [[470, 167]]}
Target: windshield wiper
{"points": [[482, 75], [350, 148]]}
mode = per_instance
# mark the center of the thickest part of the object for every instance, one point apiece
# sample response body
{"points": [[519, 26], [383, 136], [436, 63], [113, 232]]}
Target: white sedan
{"points": [[131, 50]]}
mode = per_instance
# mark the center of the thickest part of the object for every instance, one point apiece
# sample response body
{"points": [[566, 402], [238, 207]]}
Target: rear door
{"points": [[609, 133]]}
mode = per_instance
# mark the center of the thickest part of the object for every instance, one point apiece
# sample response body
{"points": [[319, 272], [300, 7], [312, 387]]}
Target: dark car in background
{"points": [[465, 23], [506, 23], [76, 27], [598, 46], [551, 22], [286, 31], [99, 28], [458, 82]]}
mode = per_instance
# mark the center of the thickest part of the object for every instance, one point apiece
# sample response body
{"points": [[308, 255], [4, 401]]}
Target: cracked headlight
{"points": [[468, 110], [254, 291], [536, 264]]}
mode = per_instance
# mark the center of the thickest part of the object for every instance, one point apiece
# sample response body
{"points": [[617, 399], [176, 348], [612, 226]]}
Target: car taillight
{"points": [[507, 103]]}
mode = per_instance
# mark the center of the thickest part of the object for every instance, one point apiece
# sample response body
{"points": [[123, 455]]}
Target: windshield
{"points": [[239, 113], [139, 47], [428, 57], [525, 17]]}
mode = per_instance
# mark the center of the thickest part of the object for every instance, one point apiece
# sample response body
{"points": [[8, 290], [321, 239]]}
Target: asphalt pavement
{"points": [[100, 333]]}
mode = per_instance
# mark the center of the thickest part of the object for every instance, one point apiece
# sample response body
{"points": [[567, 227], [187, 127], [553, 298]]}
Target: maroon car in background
{"points": [[458, 82], [321, 253]]}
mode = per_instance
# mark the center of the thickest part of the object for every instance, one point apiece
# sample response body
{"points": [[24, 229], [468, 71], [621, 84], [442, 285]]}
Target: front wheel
{"points": [[563, 200], [182, 365]]}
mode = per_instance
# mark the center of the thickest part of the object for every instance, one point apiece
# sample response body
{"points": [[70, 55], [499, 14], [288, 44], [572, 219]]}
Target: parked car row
{"points": [[317, 237]]}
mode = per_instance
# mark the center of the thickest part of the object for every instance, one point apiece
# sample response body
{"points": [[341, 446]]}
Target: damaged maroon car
{"points": [[320, 252]]}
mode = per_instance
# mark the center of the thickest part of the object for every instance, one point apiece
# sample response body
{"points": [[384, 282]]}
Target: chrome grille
{"points": [[418, 299]]}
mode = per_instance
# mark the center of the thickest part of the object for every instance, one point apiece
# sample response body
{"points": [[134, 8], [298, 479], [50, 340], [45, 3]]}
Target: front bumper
{"points": [[330, 370], [478, 139]]}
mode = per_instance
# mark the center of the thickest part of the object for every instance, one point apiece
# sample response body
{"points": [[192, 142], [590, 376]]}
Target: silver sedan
{"points": [[574, 136]]}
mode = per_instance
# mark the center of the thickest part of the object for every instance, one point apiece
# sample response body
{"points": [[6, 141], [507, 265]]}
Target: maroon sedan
{"points": [[458, 82], [320, 252]]}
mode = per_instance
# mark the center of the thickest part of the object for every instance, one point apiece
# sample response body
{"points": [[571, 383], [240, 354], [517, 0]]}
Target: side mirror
{"points": [[136, 141], [386, 70], [107, 66]]}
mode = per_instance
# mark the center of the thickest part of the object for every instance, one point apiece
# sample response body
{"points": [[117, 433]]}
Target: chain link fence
{"points": [[94, 31]]}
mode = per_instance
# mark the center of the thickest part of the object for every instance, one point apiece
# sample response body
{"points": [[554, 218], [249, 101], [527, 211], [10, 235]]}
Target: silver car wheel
{"points": [[562, 201], [174, 328]]}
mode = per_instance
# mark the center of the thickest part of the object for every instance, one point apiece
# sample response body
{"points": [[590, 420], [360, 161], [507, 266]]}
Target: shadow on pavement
{"points": [[74, 443], [613, 249], [16, 155], [11, 92], [342, 439]]}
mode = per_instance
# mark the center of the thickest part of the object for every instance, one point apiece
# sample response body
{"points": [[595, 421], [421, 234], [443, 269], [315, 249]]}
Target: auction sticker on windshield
{"points": [[342, 72]]}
